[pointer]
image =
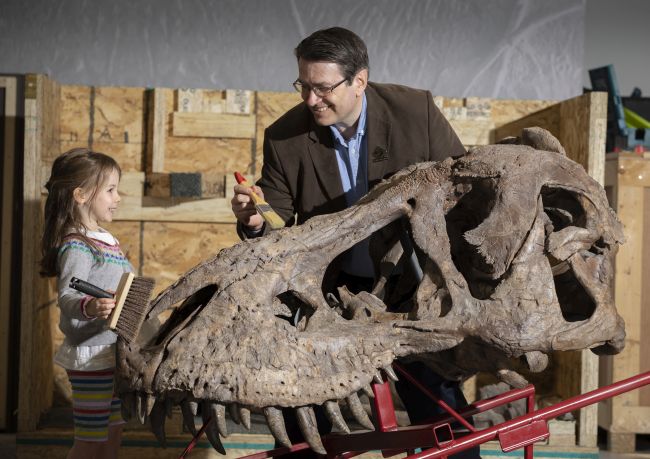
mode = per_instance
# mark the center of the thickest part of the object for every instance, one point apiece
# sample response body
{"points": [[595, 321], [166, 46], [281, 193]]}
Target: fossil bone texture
{"points": [[507, 252]]}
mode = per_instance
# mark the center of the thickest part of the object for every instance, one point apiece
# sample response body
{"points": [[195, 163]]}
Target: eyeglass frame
{"points": [[318, 91]]}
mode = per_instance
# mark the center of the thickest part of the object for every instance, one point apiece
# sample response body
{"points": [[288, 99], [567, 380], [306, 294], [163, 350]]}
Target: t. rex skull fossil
{"points": [[513, 245]]}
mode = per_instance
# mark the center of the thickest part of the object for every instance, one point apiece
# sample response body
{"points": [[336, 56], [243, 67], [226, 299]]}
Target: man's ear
{"points": [[79, 196], [361, 81]]}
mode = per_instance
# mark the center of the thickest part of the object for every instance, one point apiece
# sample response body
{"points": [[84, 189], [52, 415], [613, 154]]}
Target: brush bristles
{"points": [[270, 215], [135, 308]]}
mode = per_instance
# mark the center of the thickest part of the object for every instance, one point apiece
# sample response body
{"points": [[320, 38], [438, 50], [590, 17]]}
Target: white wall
{"points": [[618, 32], [492, 48]]}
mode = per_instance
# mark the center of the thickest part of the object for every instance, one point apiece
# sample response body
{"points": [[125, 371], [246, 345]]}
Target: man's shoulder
{"points": [[397, 92], [402, 103]]}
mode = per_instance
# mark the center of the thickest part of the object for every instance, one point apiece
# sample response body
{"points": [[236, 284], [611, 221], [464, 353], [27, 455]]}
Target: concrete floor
{"points": [[8, 449]]}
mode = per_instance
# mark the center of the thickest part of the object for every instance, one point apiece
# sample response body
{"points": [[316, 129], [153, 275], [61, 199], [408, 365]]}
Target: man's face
{"points": [[342, 106]]}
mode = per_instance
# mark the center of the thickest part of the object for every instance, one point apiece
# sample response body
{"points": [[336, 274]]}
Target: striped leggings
{"points": [[94, 405]]}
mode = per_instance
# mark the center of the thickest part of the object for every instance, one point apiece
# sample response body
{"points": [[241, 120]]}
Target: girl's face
{"points": [[103, 204]]}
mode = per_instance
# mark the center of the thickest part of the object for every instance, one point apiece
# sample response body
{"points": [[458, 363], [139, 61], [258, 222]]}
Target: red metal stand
{"points": [[437, 439]]}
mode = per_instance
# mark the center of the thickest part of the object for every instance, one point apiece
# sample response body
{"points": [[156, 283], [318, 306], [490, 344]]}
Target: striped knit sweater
{"points": [[76, 259]]}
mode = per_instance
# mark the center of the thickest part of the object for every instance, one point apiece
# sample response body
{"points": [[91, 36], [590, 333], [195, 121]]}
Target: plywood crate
{"points": [[155, 132], [627, 181]]}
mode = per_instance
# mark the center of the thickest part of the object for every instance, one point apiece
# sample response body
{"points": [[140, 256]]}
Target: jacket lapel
{"points": [[378, 137], [323, 155]]}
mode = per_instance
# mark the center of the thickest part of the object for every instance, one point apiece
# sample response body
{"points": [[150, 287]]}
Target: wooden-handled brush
{"points": [[131, 302], [269, 215]]}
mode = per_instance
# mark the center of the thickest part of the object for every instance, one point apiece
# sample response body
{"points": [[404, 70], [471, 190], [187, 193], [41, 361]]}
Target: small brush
{"points": [[263, 208], [131, 302]]}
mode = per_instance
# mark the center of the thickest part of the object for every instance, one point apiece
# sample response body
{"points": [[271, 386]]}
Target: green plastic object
{"points": [[634, 120]]}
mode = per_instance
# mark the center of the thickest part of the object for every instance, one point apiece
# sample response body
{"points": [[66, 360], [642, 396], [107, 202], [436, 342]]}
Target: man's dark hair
{"points": [[338, 45]]}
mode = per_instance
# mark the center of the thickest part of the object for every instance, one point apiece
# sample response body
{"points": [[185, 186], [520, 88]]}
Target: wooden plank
{"points": [[189, 100], [213, 210], [75, 116], [213, 125], [583, 128], [644, 311], [132, 185], [632, 172], [128, 155], [628, 280], [211, 157], [473, 132], [157, 130], [632, 419], [239, 101], [7, 276], [504, 111], [548, 118], [270, 106], [35, 372], [118, 115], [129, 234], [170, 249]]}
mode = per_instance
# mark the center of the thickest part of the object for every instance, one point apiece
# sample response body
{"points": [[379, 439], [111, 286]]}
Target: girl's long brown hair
{"points": [[76, 168]]}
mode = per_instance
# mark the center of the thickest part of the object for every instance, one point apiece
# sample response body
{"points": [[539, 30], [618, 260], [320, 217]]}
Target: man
{"points": [[326, 153]]}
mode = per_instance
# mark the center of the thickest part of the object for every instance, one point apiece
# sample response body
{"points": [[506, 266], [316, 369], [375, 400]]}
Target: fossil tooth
{"points": [[157, 419], [276, 425], [309, 428], [233, 410], [390, 372], [358, 412], [378, 378], [245, 417], [141, 407], [189, 408], [218, 413], [368, 391], [211, 427], [150, 400], [333, 413]]}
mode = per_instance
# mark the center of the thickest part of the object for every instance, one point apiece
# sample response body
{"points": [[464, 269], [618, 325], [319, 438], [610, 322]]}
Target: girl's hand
{"points": [[100, 308]]}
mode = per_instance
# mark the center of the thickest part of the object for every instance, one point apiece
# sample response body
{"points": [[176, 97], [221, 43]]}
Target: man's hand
{"points": [[100, 308], [244, 208]]}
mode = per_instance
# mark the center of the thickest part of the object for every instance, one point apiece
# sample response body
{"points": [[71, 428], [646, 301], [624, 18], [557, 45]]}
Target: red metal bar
{"points": [[195, 438], [384, 410], [550, 412], [429, 394]]}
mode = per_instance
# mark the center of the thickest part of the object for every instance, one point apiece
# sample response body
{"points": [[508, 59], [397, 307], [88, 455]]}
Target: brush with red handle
{"points": [[263, 208]]}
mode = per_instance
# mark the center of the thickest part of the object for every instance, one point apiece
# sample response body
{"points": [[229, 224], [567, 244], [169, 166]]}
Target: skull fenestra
{"points": [[506, 252]]}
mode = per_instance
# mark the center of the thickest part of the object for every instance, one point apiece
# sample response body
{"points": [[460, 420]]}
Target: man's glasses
{"points": [[320, 91]]}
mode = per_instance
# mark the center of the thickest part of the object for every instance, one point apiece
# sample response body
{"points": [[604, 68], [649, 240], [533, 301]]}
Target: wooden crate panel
{"points": [[504, 111], [270, 107], [208, 156], [128, 155], [171, 249], [547, 118], [213, 125], [118, 116], [128, 233], [75, 115]]}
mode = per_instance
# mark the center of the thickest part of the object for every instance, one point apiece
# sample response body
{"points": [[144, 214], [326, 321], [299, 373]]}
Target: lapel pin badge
{"points": [[380, 154]]}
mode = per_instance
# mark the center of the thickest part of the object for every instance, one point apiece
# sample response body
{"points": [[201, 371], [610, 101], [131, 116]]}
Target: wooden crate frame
{"points": [[578, 123], [627, 181]]}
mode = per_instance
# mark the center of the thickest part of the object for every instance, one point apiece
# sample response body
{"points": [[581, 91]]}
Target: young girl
{"points": [[82, 194]]}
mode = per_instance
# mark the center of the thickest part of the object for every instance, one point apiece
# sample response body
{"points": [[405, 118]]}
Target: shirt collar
{"points": [[361, 126]]}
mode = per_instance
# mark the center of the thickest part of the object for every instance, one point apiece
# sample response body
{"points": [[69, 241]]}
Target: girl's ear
{"points": [[79, 196]]}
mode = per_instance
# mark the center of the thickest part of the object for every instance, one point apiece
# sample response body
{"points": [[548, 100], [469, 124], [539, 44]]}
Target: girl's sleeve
{"points": [[75, 260]]}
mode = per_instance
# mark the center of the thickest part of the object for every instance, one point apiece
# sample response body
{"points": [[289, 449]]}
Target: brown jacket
{"points": [[300, 175]]}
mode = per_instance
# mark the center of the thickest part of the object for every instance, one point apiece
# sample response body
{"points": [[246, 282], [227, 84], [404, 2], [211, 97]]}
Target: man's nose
{"points": [[310, 97]]}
